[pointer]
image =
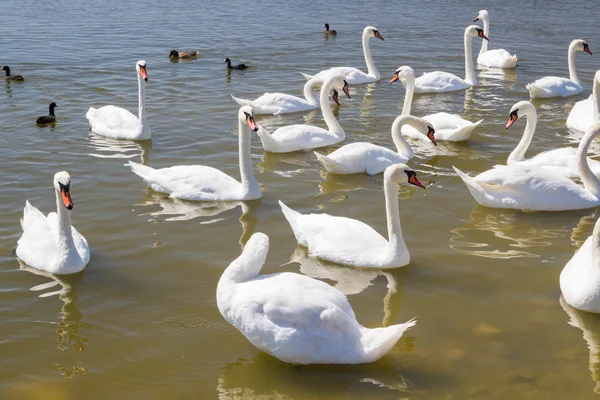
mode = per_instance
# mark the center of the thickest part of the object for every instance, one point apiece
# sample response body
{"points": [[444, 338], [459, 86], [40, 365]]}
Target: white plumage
{"points": [[496, 58], [586, 112]]}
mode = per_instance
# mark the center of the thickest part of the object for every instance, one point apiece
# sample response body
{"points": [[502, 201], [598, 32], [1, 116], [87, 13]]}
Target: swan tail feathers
{"points": [[241, 102], [329, 164], [143, 171], [465, 132], [477, 189], [292, 218], [306, 76], [380, 341]]}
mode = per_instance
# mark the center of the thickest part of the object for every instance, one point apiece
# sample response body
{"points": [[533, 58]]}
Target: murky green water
{"points": [[141, 322]]}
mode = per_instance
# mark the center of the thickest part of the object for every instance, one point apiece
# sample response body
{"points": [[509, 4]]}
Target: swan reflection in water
{"points": [[505, 74], [105, 147], [265, 377], [589, 323]]}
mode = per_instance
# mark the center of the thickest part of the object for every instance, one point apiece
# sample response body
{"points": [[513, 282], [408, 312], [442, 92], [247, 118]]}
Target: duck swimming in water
{"points": [[229, 66], [329, 32], [50, 118], [10, 77], [174, 54]]}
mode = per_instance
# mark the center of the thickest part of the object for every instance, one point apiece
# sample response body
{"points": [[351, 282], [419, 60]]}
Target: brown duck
{"points": [[174, 54], [10, 77]]}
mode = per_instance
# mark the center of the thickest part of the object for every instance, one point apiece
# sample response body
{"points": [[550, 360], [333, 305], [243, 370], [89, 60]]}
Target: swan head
{"points": [[425, 127], [335, 97], [474, 30], [246, 114], [174, 54], [141, 69], [62, 184], [404, 74], [581, 45], [338, 81], [522, 108], [372, 32], [401, 174], [483, 14]]}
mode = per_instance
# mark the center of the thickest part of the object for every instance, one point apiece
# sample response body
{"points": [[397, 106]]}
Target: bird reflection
{"points": [[265, 377], [113, 148], [367, 103], [583, 229], [505, 234], [67, 332], [332, 183], [298, 160], [509, 74], [354, 280], [589, 323]]}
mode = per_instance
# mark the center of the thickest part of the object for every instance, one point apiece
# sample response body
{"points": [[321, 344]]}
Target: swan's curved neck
{"points": [[401, 144], [65, 235], [572, 69], [589, 179], [408, 97], [333, 124], [390, 189], [518, 154], [372, 69], [308, 92], [249, 182], [596, 245], [596, 99], [486, 30], [142, 105], [469, 70]]}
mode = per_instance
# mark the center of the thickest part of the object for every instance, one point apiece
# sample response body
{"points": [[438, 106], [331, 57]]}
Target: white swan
{"points": [[305, 137], [562, 161], [362, 157], [351, 242], [586, 112], [440, 82], [296, 318], [201, 183], [118, 123], [354, 75], [50, 243], [521, 187], [448, 127], [282, 103], [580, 279], [552, 86], [497, 58]]}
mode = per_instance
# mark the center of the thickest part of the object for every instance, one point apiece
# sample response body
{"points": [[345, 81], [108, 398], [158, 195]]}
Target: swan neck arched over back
{"points": [[572, 69], [401, 144], [372, 69], [408, 97], [65, 235], [596, 97], [486, 30], [589, 179], [333, 124], [469, 70], [248, 265], [142, 106], [392, 210], [518, 154], [308, 92], [249, 182]]}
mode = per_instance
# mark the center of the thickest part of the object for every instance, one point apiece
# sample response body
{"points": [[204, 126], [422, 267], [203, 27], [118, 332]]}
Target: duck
{"points": [[9, 77], [442, 82], [47, 119], [448, 127], [531, 188], [50, 243], [552, 86], [118, 123], [354, 76], [202, 183], [302, 137], [329, 32], [351, 242], [362, 157], [562, 161], [229, 66], [586, 112], [496, 58], [282, 103], [296, 318], [580, 278], [174, 54]]}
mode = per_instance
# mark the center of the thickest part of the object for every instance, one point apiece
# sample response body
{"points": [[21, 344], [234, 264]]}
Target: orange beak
{"points": [[378, 36], [511, 120], [67, 200], [431, 135], [587, 50], [482, 35], [251, 123], [413, 180], [335, 97], [394, 78], [144, 73], [346, 89]]}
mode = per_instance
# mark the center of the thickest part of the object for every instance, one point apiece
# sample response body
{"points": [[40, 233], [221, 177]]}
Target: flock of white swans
{"points": [[302, 320]]}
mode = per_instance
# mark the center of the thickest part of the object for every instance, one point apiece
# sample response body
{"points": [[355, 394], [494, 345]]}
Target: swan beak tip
{"points": [[413, 179], [510, 122], [394, 78], [67, 200], [476, 19], [587, 50]]}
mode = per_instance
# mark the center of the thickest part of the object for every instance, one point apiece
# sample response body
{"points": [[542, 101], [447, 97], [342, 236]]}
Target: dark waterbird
{"points": [[10, 77], [174, 54], [47, 119], [329, 32], [229, 66]]}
